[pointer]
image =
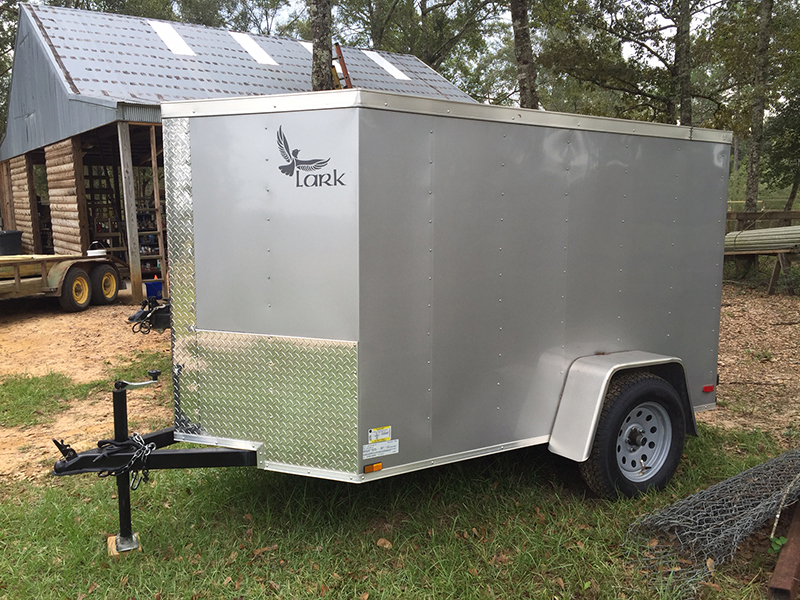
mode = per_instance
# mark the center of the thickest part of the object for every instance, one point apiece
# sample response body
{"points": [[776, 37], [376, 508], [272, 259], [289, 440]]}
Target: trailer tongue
{"points": [[365, 284]]}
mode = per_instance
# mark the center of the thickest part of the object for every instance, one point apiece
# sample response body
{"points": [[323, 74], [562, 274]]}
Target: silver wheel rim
{"points": [[643, 442]]}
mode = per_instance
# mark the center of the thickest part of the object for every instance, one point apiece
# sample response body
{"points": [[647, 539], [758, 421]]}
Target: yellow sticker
{"points": [[380, 434]]}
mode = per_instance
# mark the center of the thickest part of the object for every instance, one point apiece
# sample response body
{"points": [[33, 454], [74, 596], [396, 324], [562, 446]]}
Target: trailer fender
{"points": [[56, 274], [585, 390]]}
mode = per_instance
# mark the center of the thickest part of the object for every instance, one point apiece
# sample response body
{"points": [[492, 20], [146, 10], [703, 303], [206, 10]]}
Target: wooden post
{"points": [[159, 224], [129, 200], [781, 264]]}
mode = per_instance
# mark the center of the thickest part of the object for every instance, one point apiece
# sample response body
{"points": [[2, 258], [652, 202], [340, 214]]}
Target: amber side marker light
{"points": [[372, 468], [708, 388]]}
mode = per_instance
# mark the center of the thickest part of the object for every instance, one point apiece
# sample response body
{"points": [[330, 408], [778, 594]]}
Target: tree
{"points": [[319, 12], [523, 53], [639, 48], [258, 16], [782, 151], [9, 15], [760, 80], [436, 32]]}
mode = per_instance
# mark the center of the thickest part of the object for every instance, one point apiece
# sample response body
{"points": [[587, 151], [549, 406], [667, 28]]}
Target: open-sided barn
{"points": [[84, 122]]}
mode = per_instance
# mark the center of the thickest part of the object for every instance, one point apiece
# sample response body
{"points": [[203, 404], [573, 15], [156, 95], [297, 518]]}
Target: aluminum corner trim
{"points": [[247, 105], [582, 399]]}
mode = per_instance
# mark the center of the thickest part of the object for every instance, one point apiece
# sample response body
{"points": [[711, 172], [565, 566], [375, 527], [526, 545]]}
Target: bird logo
{"points": [[290, 156]]}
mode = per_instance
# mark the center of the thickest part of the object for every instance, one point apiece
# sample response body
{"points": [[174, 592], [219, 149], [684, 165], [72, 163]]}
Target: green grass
{"points": [[515, 525], [26, 400]]}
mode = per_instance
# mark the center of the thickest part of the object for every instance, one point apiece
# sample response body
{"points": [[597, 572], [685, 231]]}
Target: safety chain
{"points": [[142, 326], [141, 452]]}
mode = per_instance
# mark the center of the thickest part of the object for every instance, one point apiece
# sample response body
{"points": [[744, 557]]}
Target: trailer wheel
{"points": [[639, 438], [105, 284], [76, 291]]}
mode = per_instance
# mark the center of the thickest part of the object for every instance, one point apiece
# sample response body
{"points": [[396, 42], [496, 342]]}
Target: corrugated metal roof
{"points": [[76, 70], [125, 58]]}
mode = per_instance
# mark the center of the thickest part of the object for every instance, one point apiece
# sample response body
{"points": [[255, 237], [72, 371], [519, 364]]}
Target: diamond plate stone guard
{"points": [[299, 397]]}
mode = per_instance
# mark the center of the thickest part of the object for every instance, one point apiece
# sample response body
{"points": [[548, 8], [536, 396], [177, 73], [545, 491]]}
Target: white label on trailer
{"points": [[380, 434], [380, 449]]}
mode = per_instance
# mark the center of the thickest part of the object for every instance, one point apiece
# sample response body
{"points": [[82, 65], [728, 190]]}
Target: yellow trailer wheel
{"points": [[76, 291], [105, 284]]}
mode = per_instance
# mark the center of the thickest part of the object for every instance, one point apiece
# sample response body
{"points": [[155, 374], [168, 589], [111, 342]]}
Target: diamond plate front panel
{"points": [[299, 397], [180, 224]]}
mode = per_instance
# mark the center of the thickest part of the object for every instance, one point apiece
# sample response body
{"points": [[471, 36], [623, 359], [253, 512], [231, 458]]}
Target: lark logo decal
{"points": [[295, 165]]}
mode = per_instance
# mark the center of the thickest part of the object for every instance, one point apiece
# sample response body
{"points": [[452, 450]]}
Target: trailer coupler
{"points": [[151, 315], [130, 459]]}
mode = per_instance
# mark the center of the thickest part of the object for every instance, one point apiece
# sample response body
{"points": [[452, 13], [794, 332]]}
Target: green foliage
{"points": [[776, 543], [782, 133], [436, 32], [27, 400], [514, 525]]}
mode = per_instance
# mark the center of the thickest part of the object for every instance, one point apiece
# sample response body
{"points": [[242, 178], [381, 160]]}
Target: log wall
{"points": [[67, 191], [6, 199], [24, 200]]}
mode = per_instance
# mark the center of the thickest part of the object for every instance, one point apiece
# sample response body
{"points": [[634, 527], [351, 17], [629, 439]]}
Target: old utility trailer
{"points": [[75, 280], [366, 284]]}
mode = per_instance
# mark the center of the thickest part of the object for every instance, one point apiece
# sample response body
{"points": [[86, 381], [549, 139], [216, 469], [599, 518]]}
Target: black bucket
{"points": [[10, 242]]}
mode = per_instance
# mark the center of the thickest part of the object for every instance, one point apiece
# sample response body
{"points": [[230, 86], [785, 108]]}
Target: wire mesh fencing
{"points": [[679, 546]]}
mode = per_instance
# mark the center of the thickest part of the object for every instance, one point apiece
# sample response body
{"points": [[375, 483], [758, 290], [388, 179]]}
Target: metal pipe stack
{"points": [[762, 240]]}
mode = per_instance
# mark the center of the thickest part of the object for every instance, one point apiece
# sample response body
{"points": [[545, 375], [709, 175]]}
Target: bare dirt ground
{"points": [[37, 337], [758, 366]]}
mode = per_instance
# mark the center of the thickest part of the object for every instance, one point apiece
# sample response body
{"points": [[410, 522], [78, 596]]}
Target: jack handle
{"points": [[128, 385]]}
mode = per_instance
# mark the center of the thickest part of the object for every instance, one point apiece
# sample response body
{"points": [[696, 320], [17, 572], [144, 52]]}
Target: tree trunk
{"points": [[683, 60], [735, 153], [423, 20], [523, 52], [321, 32], [792, 196], [759, 103]]}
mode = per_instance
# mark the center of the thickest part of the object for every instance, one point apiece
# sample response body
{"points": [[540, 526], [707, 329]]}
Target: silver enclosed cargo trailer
{"points": [[365, 284]]}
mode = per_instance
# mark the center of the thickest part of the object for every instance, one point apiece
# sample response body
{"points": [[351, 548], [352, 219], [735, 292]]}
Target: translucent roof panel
{"points": [[129, 59]]}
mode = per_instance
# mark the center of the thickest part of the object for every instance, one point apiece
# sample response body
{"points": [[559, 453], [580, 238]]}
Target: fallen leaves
{"points": [[259, 551], [710, 563]]}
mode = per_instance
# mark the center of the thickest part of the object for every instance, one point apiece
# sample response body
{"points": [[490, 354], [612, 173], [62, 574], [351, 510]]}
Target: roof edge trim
{"points": [[430, 106]]}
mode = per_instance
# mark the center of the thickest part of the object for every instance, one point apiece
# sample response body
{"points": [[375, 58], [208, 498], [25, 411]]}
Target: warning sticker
{"points": [[380, 449], [380, 434]]}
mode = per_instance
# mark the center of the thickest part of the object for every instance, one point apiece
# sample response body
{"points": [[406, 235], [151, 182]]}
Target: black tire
{"points": [[105, 284], [624, 460], [76, 291]]}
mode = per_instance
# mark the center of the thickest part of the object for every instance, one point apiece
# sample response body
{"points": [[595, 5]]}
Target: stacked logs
{"points": [[67, 207], [21, 195]]}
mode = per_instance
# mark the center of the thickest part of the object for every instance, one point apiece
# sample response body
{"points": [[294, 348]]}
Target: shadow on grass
{"points": [[514, 525]]}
